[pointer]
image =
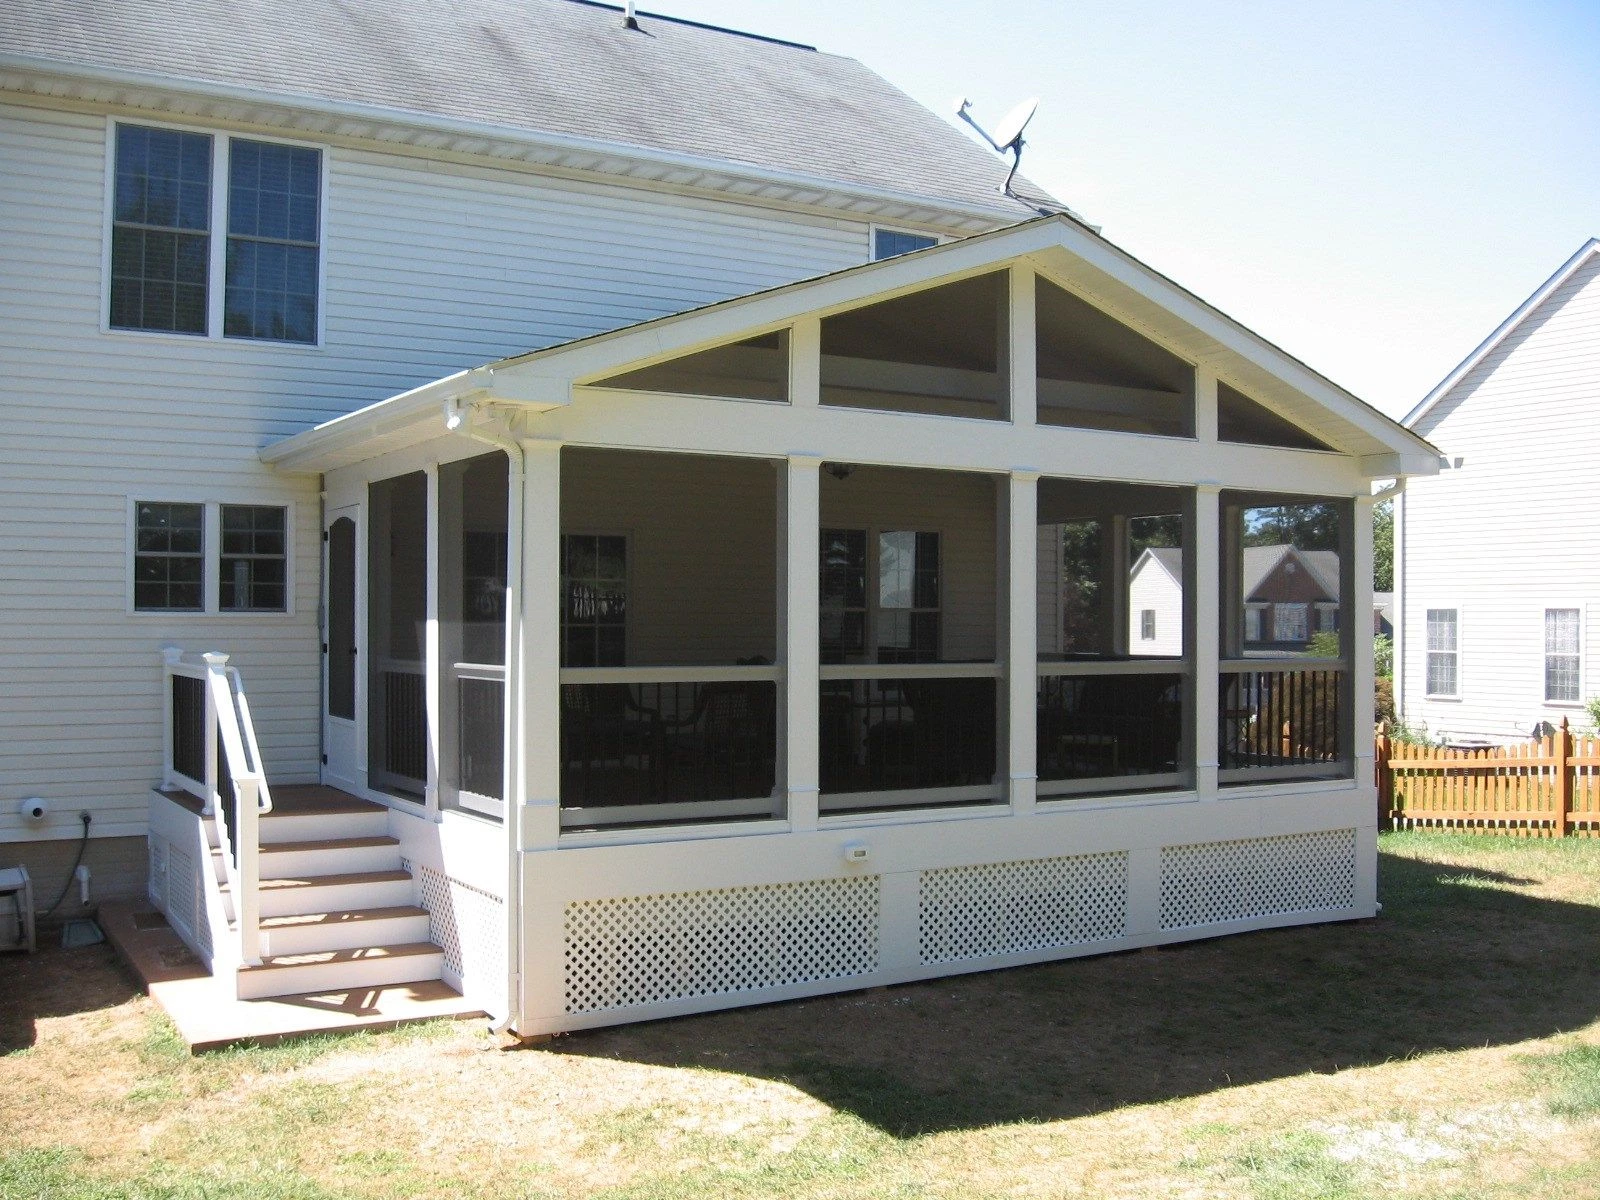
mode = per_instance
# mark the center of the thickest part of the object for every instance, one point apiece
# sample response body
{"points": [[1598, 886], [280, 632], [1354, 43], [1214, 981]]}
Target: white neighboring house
{"points": [[622, 576], [1155, 602], [1497, 562]]}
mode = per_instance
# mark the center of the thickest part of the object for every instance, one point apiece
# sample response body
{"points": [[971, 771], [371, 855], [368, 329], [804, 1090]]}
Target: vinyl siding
{"points": [[1516, 529], [430, 267], [1152, 588]]}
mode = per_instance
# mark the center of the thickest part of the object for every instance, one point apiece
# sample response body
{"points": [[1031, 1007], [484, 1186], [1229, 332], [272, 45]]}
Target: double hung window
{"points": [[594, 600], [902, 623], [167, 266], [1562, 677], [176, 558], [1444, 632]]}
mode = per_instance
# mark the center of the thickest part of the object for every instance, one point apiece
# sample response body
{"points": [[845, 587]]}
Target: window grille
{"points": [[169, 557], [1443, 652], [1562, 676], [160, 230], [254, 564]]}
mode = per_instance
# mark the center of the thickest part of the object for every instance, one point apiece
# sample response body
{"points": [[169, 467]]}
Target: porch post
{"points": [[1022, 356], [1355, 625], [1207, 611], [801, 637], [1205, 405], [432, 664], [1022, 641], [540, 678]]}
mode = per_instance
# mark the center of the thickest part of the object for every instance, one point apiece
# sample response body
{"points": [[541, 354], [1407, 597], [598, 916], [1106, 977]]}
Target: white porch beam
{"points": [[801, 638], [1207, 576], [540, 677], [1022, 642], [1023, 357]]}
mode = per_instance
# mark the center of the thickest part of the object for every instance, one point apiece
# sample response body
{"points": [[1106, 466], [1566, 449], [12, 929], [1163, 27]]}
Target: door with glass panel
{"points": [[340, 738]]}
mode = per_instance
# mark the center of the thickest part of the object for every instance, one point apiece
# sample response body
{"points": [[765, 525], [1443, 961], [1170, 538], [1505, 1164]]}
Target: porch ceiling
{"points": [[1059, 248]]}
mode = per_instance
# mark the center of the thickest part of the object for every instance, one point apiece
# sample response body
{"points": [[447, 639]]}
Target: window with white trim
{"points": [[1289, 623], [1253, 614], [1562, 674], [1444, 633], [165, 264], [888, 243], [1147, 624], [594, 600], [202, 556]]}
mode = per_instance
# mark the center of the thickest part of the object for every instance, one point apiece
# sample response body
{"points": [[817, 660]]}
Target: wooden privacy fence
{"points": [[1548, 787]]}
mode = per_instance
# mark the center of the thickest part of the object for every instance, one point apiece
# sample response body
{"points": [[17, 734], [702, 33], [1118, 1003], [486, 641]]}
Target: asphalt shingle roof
{"points": [[566, 67]]}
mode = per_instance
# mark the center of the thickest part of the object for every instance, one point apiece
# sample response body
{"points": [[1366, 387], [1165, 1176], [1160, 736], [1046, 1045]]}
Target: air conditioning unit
{"points": [[16, 909]]}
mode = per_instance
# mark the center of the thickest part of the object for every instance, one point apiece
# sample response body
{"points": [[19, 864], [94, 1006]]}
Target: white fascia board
{"points": [[1505, 329], [304, 113]]}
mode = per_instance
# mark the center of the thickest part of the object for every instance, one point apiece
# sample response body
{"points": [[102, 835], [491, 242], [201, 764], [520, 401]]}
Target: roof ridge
{"points": [[655, 16]]}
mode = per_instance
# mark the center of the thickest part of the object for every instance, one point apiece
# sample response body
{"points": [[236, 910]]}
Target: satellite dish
{"points": [[1007, 135]]}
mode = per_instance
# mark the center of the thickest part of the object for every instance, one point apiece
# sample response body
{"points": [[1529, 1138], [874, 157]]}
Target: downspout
{"points": [[457, 420]]}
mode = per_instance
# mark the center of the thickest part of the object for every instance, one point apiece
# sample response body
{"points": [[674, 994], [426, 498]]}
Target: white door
{"points": [[341, 665]]}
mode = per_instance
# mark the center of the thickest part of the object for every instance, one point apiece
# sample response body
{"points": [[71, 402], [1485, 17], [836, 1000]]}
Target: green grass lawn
{"points": [[1450, 1048]]}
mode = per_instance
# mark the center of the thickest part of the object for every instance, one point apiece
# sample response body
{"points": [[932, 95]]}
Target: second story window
{"points": [[887, 243], [160, 230], [165, 265]]}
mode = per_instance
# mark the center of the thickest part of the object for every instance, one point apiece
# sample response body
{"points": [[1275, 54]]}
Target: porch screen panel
{"points": [[397, 567], [342, 619]]}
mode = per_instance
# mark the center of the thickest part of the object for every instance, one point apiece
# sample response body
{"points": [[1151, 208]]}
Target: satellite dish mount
{"points": [[1007, 135]]}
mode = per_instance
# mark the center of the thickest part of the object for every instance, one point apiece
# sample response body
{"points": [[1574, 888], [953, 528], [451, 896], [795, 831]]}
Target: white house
{"points": [[619, 594], [1497, 562]]}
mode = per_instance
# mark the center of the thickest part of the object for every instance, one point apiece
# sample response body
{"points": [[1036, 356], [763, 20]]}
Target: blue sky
{"points": [[1372, 186]]}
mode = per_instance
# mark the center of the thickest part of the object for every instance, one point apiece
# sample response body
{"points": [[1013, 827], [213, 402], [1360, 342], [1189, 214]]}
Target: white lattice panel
{"points": [[158, 873], [467, 923], [1213, 882], [1016, 907], [626, 951], [182, 887]]}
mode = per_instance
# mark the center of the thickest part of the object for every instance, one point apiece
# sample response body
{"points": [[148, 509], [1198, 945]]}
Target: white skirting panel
{"points": [[635, 931]]}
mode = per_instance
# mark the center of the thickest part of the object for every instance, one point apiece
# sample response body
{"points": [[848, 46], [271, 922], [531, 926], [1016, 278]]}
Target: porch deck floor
{"points": [[209, 1016]]}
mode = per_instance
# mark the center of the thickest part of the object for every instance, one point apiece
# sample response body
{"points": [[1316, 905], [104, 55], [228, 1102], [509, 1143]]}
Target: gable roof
{"points": [[1060, 248], [1506, 328], [1168, 558], [564, 68], [1261, 561]]}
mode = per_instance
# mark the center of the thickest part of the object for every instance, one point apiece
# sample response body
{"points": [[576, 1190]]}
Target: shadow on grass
{"points": [[53, 982], [1455, 961]]}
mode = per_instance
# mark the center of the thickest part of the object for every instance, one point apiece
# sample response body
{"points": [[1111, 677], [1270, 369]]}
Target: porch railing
{"points": [[210, 751], [661, 744], [1282, 719], [400, 711], [893, 735], [1110, 726], [480, 714]]}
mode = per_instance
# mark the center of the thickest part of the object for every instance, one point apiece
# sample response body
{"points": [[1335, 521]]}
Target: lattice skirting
{"points": [[468, 923], [1018, 907], [1214, 882], [626, 951]]}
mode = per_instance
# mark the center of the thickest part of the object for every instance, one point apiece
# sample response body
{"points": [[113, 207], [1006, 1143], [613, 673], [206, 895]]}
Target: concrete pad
{"points": [[209, 1015]]}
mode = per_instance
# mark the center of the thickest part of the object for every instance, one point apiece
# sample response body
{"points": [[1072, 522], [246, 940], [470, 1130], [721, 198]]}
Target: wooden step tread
{"points": [[348, 916], [351, 843], [329, 880], [360, 954], [313, 800]]}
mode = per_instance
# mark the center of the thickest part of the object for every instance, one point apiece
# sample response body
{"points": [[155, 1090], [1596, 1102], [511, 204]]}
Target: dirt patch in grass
{"points": [[1448, 1049]]}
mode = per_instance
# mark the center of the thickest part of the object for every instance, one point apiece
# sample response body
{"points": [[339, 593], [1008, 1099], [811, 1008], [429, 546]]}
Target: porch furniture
{"points": [[724, 749]]}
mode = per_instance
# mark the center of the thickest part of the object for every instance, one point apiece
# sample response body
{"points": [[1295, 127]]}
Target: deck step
{"points": [[367, 966], [352, 818], [303, 895], [309, 933], [325, 855]]}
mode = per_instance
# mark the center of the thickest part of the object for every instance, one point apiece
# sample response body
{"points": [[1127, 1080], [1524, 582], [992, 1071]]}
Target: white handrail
{"points": [[229, 728]]}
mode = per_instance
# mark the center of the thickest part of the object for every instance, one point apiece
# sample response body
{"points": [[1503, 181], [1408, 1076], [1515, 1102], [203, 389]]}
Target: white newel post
{"points": [[540, 677], [801, 654], [1022, 641], [1207, 611], [216, 667]]}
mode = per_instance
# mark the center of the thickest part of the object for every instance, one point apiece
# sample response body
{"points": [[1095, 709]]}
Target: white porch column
{"points": [[540, 678], [432, 663], [1207, 609], [801, 637], [1358, 650], [1022, 641], [1022, 358], [1205, 405]]}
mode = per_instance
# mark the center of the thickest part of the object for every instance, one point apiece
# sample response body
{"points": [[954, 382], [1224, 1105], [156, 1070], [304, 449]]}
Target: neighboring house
{"points": [[1383, 614], [1497, 562], [1155, 602], [628, 581]]}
